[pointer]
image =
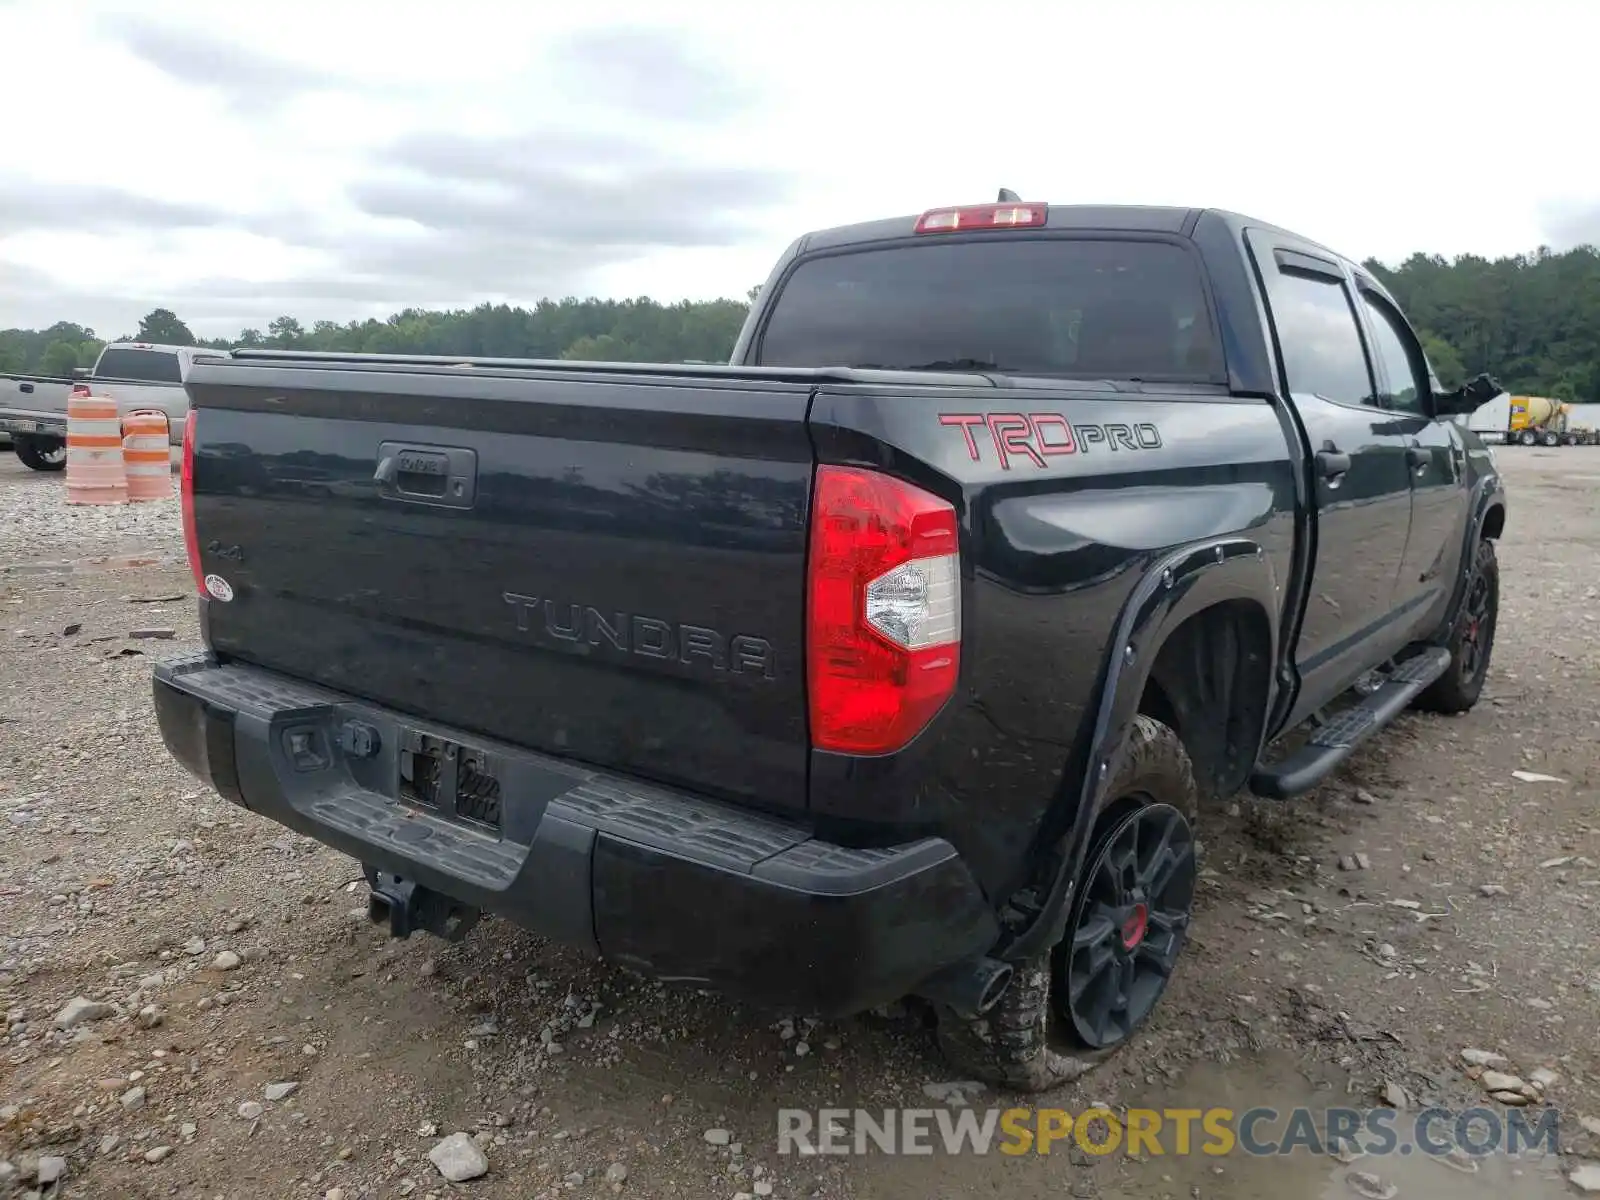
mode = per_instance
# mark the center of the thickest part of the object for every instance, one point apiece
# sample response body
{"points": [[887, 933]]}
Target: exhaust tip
{"points": [[999, 981], [971, 988]]}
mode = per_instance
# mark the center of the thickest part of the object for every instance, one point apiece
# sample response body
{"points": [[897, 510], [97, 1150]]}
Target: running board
{"points": [[1332, 743]]}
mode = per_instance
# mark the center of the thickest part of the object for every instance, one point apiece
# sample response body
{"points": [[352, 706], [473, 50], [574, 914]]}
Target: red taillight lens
{"points": [[982, 216], [191, 540], [883, 619]]}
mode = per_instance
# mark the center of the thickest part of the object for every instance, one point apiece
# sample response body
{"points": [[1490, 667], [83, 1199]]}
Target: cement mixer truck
{"points": [[1525, 421], [1539, 419]]}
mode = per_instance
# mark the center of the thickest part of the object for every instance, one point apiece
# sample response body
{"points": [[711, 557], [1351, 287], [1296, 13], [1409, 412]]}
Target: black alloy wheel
{"points": [[1470, 639], [1130, 922], [1477, 627]]}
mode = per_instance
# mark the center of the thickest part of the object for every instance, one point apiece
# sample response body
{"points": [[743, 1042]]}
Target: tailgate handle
{"points": [[446, 476]]}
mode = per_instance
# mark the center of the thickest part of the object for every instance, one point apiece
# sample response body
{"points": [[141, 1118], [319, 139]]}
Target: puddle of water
{"points": [[1408, 1167], [1238, 1175]]}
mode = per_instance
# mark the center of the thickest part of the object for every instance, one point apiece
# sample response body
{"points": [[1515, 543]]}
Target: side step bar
{"points": [[1330, 744]]}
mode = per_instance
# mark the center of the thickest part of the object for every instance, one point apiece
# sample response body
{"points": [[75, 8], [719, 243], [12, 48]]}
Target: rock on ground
{"points": [[80, 1011], [458, 1158]]}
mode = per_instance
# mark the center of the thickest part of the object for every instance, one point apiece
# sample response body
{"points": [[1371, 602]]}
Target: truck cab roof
{"points": [[1112, 218], [1122, 218], [147, 362]]}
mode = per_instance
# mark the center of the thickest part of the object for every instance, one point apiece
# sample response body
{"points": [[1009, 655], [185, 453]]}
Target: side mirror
{"points": [[1468, 398], [82, 372]]}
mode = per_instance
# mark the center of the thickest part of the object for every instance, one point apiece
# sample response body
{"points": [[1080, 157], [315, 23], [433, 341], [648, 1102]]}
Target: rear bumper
{"points": [[673, 885], [15, 421]]}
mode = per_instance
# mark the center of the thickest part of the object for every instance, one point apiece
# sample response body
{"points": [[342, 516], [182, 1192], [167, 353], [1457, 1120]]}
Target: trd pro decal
{"points": [[1037, 437]]}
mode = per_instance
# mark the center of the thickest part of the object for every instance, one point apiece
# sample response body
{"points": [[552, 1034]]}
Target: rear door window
{"points": [[141, 366], [1321, 342], [1073, 307]]}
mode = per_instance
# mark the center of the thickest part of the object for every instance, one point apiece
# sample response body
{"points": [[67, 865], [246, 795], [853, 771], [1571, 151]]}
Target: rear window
{"points": [[147, 366], [1098, 308]]}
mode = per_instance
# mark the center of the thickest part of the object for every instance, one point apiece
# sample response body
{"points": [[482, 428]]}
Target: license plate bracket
{"points": [[450, 780]]}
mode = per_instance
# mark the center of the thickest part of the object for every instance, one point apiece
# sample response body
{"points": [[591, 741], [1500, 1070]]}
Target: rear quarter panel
{"points": [[1066, 500]]}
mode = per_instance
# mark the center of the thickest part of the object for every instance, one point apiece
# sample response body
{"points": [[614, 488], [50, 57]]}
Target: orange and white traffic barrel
{"points": [[96, 473], [148, 456]]}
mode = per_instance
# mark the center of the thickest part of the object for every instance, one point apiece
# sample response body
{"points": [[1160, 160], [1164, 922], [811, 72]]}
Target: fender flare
{"points": [[1488, 494], [1184, 582]]}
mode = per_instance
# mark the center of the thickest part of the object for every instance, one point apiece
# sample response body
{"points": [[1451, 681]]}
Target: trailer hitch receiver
{"points": [[407, 907]]}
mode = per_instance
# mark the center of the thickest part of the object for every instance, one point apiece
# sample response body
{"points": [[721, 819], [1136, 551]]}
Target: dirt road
{"points": [[234, 956]]}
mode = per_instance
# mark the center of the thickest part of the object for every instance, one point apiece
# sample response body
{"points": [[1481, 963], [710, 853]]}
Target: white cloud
{"points": [[233, 165]]}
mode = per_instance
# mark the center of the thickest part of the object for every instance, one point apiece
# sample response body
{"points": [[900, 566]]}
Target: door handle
{"points": [[1418, 458], [445, 476], [1332, 463]]}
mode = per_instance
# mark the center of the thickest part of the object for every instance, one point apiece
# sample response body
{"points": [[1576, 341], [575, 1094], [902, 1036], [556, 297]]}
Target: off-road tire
{"points": [[35, 456], [1458, 689], [1011, 1045]]}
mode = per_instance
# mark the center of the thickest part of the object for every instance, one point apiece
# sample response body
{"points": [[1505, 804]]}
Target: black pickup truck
{"points": [[895, 658]]}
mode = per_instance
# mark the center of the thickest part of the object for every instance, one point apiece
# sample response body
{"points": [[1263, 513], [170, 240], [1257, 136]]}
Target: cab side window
{"points": [[1407, 387]]}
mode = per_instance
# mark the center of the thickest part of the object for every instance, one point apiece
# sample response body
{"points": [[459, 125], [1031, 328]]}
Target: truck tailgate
{"points": [[607, 567]]}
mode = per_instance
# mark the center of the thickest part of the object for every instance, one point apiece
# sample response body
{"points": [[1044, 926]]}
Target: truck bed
{"points": [[607, 564]]}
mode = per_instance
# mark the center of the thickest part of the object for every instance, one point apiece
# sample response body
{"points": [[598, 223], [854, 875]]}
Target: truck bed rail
{"points": [[431, 363]]}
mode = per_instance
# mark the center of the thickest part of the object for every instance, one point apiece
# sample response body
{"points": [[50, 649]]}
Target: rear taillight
{"points": [[982, 216], [883, 618], [191, 540]]}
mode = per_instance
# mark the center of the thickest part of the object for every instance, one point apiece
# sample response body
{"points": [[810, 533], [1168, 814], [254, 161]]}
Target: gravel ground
{"points": [[243, 1032]]}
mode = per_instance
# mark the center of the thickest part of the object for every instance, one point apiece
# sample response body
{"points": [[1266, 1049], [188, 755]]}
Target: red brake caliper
{"points": [[1135, 927]]}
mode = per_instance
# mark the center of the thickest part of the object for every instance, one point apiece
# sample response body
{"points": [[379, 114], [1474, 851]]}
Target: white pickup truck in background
{"points": [[137, 375]]}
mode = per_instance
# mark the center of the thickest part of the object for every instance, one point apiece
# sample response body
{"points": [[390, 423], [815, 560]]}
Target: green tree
{"points": [[285, 332], [1443, 358], [603, 348], [60, 358], [1532, 321], [162, 327]]}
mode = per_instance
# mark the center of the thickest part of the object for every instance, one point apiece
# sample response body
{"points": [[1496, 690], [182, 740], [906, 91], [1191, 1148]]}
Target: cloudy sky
{"points": [[345, 158]]}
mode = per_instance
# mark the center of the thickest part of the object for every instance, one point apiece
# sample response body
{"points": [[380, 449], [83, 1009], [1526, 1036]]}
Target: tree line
{"points": [[641, 330], [1532, 321]]}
